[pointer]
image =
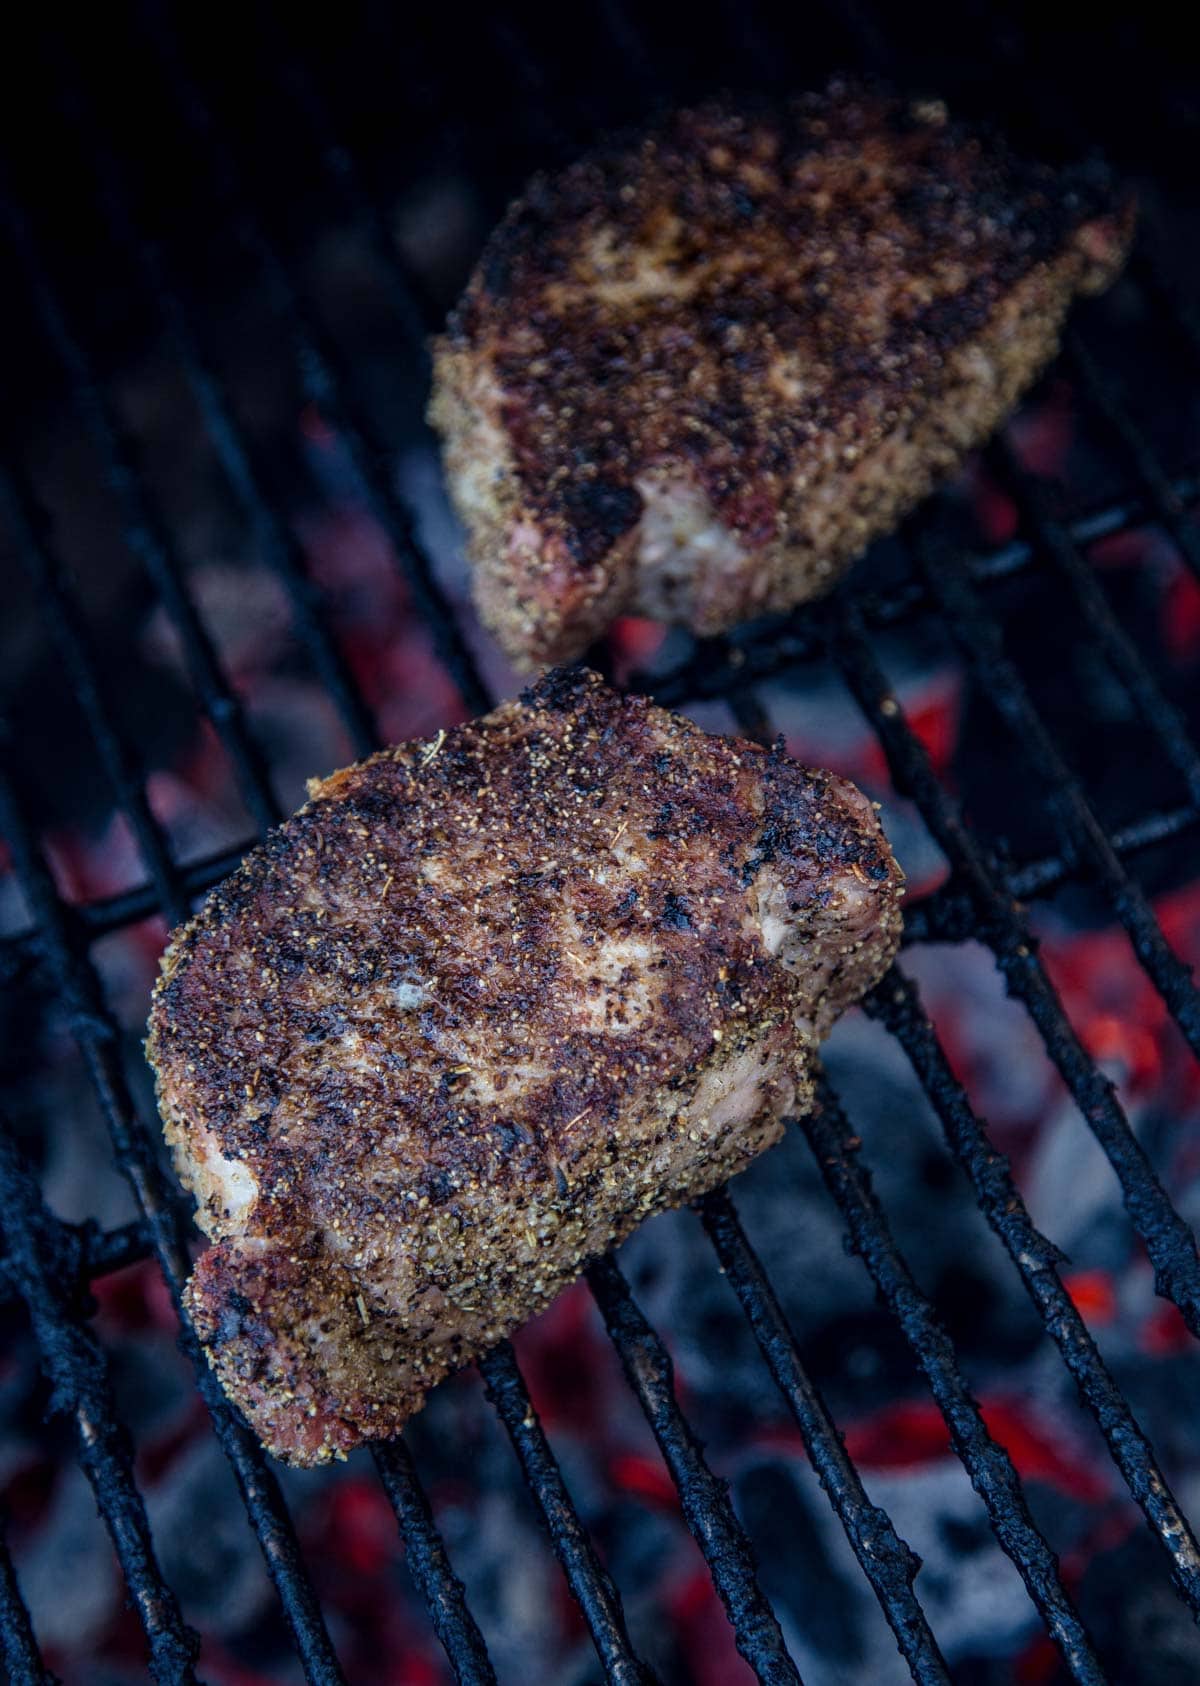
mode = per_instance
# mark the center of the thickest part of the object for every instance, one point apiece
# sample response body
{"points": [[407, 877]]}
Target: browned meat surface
{"points": [[693, 377], [478, 1008]]}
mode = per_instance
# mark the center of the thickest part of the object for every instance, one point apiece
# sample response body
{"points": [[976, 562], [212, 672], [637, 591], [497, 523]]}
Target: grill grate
{"points": [[49, 1263], [77, 1369], [21, 1659]]}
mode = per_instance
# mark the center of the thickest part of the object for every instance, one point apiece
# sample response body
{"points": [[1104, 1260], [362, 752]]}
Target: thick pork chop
{"points": [[693, 377], [478, 1008]]}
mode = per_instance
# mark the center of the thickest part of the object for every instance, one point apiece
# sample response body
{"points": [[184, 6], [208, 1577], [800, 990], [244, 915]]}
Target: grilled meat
{"points": [[692, 378], [478, 1008]]}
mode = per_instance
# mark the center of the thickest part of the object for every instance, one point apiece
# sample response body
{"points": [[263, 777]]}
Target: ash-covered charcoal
{"points": [[695, 374], [480, 1007]]}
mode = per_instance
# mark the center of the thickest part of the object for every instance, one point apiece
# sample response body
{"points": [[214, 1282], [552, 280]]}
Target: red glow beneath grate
{"points": [[704, 1634], [644, 1478], [1121, 1018], [914, 1432], [935, 715], [1181, 616], [1093, 1294]]}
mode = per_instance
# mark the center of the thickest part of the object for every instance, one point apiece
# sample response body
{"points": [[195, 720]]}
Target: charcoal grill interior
{"points": [[226, 240]]}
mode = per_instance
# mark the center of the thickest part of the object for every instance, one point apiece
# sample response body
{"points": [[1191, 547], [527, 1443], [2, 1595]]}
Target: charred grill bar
{"points": [[48, 1264]]}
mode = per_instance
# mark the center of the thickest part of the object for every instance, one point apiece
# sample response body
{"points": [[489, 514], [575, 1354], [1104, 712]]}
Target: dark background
{"points": [[416, 90]]}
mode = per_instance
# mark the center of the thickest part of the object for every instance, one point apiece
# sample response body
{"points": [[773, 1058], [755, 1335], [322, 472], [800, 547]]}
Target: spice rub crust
{"points": [[698, 371], [482, 1005]]}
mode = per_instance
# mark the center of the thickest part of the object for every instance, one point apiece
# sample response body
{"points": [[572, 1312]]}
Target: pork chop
{"points": [[694, 375], [478, 1008]]}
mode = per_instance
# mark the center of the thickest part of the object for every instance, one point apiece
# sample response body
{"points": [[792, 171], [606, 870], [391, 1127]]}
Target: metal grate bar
{"points": [[23, 1664], [885, 1558], [432, 1573], [753, 659], [896, 1004], [429, 1561], [740, 665], [752, 718], [1124, 657], [74, 1364], [944, 915], [1007, 561], [587, 1577], [422, 1553], [1169, 1242], [229, 440], [95, 1030], [1144, 269], [889, 1564], [704, 1498], [947, 915], [99, 1253], [144, 533], [106, 914], [319, 365], [1080, 832], [1085, 529], [988, 1464], [70, 633], [1106, 401]]}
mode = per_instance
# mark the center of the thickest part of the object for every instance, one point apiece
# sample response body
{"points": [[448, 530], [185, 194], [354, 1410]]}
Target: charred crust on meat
{"points": [[757, 299], [675, 913], [562, 689], [467, 1017], [598, 512]]}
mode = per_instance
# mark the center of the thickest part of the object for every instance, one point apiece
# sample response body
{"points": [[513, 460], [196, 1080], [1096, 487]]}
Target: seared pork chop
{"points": [[694, 376], [478, 1008]]}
